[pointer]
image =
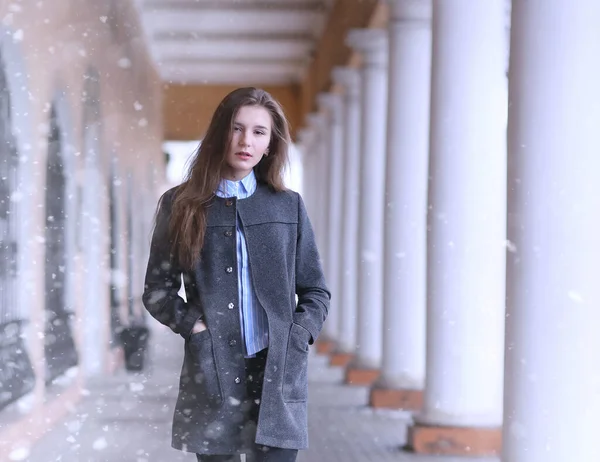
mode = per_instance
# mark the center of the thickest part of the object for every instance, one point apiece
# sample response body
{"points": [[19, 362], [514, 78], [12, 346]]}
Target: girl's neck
{"points": [[235, 176]]}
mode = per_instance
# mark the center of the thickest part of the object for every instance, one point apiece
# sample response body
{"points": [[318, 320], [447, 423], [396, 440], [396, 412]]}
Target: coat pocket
{"points": [[295, 373], [204, 368]]}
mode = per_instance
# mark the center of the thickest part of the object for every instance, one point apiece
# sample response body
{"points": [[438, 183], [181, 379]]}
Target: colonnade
{"points": [[458, 214]]}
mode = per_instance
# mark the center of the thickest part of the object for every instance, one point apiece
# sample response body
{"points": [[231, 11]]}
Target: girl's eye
{"points": [[259, 133], [237, 129]]}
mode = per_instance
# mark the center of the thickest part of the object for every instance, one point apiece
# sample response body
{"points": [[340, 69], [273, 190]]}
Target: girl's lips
{"points": [[243, 155]]}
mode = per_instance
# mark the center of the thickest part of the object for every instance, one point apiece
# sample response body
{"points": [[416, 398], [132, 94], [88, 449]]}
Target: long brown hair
{"points": [[187, 226]]}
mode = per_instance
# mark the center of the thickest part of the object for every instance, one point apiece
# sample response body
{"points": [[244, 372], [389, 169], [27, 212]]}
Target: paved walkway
{"points": [[127, 418], [344, 429]]}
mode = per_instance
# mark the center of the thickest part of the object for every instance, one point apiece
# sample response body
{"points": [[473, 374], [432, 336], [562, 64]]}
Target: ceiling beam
{"points": [[301, 22], [187, 109], [261, 51], [217, 35], [230, 76], [247, 62], [245, 80], [246, 5], [212, 71]]}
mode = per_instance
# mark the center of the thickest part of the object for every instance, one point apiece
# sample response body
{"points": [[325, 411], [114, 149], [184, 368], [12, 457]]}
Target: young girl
{"points": [[246, 249]]}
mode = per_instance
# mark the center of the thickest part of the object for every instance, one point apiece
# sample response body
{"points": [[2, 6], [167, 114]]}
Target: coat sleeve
{"points": [[163, 278], [313, 295]]}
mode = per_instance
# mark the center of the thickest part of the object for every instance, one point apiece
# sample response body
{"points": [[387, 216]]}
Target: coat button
{"points": [[232, 342], [231, 306], [237, 380], [228, 203], [229, 269], [228, 233]]}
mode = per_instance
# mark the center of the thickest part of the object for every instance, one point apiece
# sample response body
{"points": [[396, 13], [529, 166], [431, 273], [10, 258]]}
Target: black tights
{"points": [[255, 369], [260, 454]]}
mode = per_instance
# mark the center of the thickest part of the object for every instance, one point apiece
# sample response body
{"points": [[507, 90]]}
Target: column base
{"points": [[357, 376], [43, 418], [340, 359], [455, 441], [324, 346], [408, 400], [115, 360]]}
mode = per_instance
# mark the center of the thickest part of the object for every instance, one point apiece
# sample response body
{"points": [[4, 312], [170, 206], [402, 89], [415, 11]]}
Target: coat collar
{"points": [[262, 206]]}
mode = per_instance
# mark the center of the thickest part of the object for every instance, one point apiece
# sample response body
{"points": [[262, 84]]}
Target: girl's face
{"points": [[249, 141]]}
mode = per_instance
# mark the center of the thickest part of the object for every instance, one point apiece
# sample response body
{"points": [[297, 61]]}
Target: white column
{"points": [[467, 216], [332, 104], [373, 45], [406, 197], [316, 122], [306, 140], [349, 79], [309, 180], [552, 397], [96, 315]]}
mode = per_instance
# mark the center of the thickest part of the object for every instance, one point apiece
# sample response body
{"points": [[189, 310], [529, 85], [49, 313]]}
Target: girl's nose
{"points": [[244, 140]]}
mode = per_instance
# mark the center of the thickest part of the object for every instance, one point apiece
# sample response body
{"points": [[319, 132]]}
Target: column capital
{"points": [[371, 43], [333, 105], [316, 121], [304, 134], [349, 78], [410, 10], [306, 137]]}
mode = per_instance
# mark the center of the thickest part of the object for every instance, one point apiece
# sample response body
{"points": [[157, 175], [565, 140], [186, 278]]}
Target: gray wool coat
{"points": [[284, 262]]}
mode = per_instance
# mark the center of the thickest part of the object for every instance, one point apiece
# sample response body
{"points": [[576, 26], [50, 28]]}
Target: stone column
{"points": [[466, 260], [349, 80], [94, 227], [306, 141], [318, 123], [331, 103], [315, 123], [403, 370], [552, 399], [373, 45]]}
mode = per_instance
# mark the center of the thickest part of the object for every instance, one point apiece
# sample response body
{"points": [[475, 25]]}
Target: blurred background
{"points": [[447, 151]]}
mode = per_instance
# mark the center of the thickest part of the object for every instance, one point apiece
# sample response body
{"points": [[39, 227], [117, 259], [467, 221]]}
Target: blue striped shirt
{"points": [[253, 319]]}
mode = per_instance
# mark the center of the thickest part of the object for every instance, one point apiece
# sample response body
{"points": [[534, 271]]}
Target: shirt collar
{"points": [[240, 189]]}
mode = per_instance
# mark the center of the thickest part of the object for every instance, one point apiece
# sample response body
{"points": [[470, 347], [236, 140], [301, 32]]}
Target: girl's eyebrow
{"points": [[257, 126]]}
